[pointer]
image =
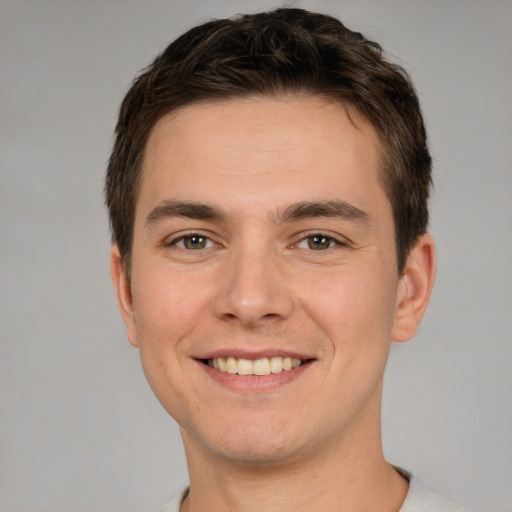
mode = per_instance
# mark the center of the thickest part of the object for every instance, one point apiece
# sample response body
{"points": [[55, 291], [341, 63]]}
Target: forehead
{"points": [[243, 145], [255, 114]]}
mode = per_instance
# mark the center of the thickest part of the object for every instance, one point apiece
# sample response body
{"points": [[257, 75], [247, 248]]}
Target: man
{"points": [[268, 194]]}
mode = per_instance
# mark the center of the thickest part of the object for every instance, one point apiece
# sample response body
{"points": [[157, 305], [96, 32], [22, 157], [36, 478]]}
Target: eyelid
{"points": [[175, 238], [336, 238]]}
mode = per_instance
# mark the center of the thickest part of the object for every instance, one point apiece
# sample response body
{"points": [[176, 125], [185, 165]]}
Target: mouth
{"points": [[259, 367]]}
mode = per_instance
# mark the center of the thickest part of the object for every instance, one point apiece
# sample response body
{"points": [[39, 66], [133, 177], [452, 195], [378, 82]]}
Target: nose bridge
{"points": [[253, 286]]}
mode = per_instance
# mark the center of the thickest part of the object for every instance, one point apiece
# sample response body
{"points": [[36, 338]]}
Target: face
{"points": [[264, 293]]}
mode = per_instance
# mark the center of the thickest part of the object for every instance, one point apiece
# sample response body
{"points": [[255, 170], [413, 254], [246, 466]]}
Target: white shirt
{"points": [[418, 499]]}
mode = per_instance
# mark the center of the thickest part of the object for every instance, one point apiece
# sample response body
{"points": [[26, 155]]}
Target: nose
{"points": [[253, 290]]}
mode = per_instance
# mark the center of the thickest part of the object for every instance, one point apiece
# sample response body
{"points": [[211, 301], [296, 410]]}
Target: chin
{"points": [[256, 453], [250, 444]]}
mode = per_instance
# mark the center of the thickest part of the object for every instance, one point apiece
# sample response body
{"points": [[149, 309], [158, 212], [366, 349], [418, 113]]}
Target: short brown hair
{"points": [[285, 51]]}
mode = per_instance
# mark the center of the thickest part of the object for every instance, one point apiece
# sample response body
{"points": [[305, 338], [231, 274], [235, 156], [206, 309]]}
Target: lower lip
{"points": [[255, 383]]}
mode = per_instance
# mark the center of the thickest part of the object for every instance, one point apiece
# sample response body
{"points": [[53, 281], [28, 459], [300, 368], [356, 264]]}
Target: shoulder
{"points": [[420, 499]]}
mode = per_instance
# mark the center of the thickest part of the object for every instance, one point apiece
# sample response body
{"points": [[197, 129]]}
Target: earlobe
{"points": [[414, 289], [122, 287]]}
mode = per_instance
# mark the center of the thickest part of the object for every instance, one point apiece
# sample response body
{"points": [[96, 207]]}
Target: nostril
{"points": [[251, 299]]}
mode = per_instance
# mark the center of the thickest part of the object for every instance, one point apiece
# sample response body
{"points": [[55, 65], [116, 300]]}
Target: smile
{"points": [[263, 366]]}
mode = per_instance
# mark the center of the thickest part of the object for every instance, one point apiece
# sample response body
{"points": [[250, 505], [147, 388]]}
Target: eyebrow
{"points": [[333, 208], [174, 208], [294, 212]]}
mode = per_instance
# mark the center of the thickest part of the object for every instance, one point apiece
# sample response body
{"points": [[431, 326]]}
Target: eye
{"points": [[318, 242], [193, 242]]}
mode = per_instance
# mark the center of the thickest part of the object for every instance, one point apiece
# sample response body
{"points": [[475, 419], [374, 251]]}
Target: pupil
{"points": [[195, 242], [319, 242]]}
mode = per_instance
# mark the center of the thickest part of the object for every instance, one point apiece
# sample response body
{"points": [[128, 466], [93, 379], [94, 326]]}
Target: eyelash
{"points": [[188, 236], [181, 239], [333, 241]]}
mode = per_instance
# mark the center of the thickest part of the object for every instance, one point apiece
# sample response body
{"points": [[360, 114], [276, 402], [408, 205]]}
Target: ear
{"points": [[123, 291], [414, 289]]}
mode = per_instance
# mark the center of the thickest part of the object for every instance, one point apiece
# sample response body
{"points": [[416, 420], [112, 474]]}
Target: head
{"points": [[283, 52], [267, 193]]}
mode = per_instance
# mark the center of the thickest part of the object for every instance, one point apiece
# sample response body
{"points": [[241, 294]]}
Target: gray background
{"points": [[80, 429]]}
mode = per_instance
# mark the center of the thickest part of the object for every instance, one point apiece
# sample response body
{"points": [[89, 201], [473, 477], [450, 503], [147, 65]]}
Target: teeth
{"points": [[245, 367], [222, 364], [263, 366], [276, 365], [232, 365]]}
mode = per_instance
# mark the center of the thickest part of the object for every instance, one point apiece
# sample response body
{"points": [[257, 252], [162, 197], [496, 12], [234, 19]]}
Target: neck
{"points": [[348, 473]]}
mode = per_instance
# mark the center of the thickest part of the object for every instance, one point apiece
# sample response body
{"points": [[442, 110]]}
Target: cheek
{"points": [[165, 314], [167, 306], [351, 307]]}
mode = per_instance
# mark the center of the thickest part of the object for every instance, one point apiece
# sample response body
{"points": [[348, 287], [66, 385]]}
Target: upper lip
{"points": [[253, 354]]}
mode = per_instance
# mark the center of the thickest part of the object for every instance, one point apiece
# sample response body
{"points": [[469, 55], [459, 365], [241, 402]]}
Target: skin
{"points": [[310, 439]]}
